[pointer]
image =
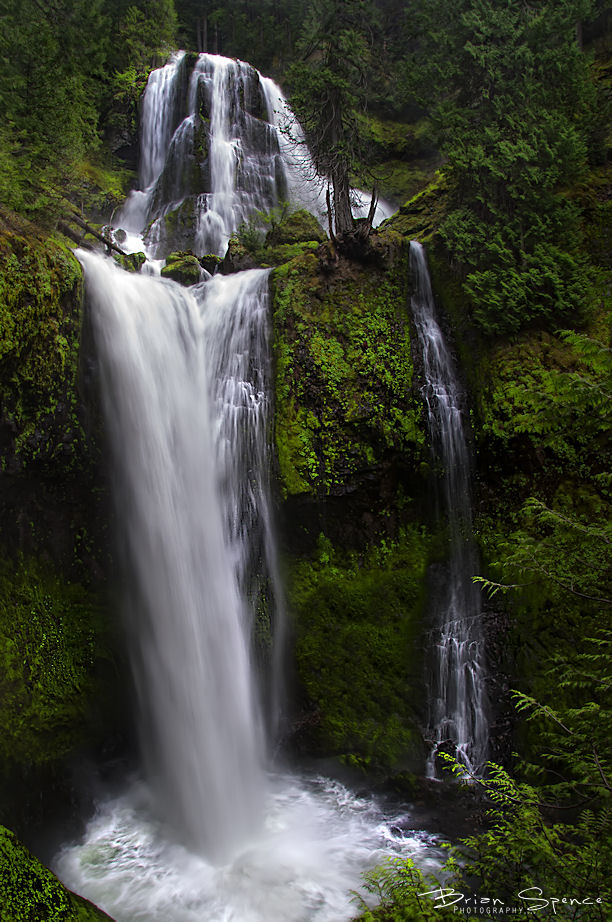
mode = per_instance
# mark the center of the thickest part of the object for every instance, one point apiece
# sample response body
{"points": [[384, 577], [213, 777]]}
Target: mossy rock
{"points": [[420, 217], [30, 892], [176, 230], [285, 252], [131, 262], [41, 296], [210, 262], [298, 227], [237, 258], [54, 642], [182, 267], [358, 618]]}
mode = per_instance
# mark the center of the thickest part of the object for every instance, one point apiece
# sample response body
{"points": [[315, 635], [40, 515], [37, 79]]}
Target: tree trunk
{"points": [[343, 214]]}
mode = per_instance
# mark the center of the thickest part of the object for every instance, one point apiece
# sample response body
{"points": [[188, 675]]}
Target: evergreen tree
{"points": [[506, 84], [328, 89]]}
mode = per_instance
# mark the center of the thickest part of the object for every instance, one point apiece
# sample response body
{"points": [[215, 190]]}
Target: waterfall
{"points": [[230, 157], [200, 721], [457, 698], [236, 333], [209, 833], [305, 186], [161, 107]]}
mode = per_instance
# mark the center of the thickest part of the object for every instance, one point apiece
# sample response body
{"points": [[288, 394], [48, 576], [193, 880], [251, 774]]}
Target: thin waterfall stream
{"points": [[210, 829], [457, 698]]}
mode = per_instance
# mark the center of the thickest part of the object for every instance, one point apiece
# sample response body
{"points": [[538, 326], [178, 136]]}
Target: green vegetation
{"points": [[274, 238], [66, 66], [512, 105], [51, 643], [31, 893], [328, 88], [40, 303], [358, 619], [548, 838], [344, 400], [182, 267], [396, 888], [509, 101]]}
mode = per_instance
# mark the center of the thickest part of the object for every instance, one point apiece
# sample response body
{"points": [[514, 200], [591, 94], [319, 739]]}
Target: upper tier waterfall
{"points": [[219, 144], [457, 697]]}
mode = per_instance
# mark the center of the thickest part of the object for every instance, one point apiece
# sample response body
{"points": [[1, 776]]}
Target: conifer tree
{"points": [[329, 88]]}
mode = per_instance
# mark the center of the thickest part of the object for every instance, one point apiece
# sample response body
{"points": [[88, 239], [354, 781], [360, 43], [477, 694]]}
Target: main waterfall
{"points": [[210, 833], [182, 510], [457, 698]]}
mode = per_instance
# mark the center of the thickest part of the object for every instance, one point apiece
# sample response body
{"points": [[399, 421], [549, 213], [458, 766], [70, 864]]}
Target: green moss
{"points": [[51, 642], [401, 157], [421, 216], [400, 180], [31, 893], [40, 303], [295, 227], [357, 621], [131, 262], [285, 252], [344, 398], [183, 268], [98, 188]]}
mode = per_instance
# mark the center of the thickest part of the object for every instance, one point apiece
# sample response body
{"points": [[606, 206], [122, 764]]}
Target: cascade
{"points": [[457, 697], [229, 156]]}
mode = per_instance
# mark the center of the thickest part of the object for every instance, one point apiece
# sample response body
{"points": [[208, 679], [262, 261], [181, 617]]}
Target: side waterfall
{"points": [[457, 697]]}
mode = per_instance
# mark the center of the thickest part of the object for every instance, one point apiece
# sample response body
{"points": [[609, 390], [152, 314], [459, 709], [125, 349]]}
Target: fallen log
{"points": [[108, 243]]}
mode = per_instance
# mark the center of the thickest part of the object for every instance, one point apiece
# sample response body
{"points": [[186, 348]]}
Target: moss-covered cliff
{"points": [[57, 648], [351, 452], [346, 409]]}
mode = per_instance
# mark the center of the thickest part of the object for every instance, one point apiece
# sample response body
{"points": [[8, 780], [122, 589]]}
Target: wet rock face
{"points": [[187, 171], [176, 230]]}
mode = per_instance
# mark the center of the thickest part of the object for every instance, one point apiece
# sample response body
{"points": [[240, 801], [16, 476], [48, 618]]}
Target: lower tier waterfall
{"points": [[174, 385], [456, 695]]}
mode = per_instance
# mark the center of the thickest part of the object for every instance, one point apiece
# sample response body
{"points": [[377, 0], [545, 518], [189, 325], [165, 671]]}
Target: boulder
{"points": [[182, 267], [237, 258], [298, 227]]}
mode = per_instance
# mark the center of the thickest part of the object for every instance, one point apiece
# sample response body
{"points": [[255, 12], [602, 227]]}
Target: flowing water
{"points": [[198, 711], [301, 866], [210, 832], [227, 148], [457, 698]]}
